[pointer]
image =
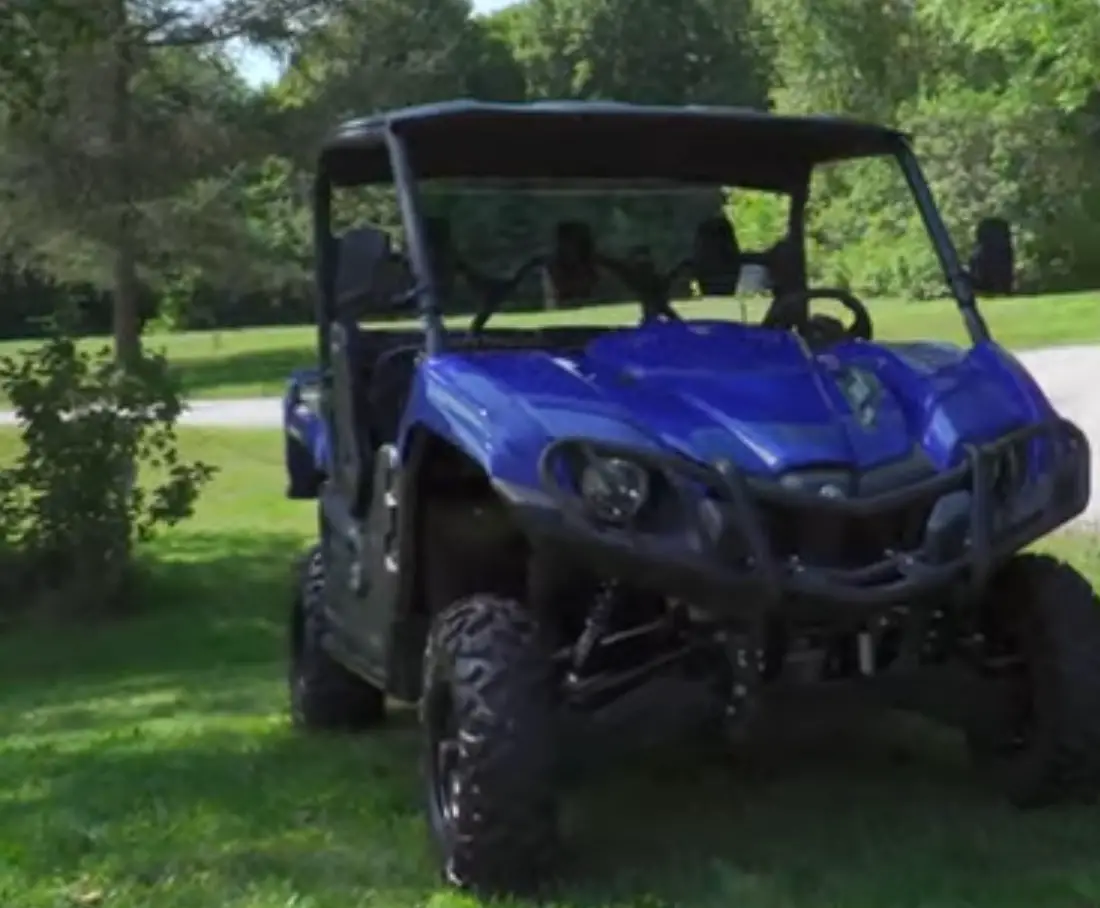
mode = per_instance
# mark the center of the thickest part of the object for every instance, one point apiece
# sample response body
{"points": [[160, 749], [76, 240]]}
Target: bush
{"points": [[71, 508]]}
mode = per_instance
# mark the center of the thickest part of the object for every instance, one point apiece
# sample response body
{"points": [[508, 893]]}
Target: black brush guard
{"points": [[717, 551]]}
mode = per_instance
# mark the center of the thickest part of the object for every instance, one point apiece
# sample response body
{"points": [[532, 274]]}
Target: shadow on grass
{"points": [[194, 776], [256, 372], [207, 599], [155, 759]]}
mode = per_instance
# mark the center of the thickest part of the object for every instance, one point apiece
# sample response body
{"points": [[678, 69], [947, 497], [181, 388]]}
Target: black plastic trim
{"points": [[690, 559]]}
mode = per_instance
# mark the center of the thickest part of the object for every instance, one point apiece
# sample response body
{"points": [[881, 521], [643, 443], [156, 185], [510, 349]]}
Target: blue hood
{"points": [[723, 390]]}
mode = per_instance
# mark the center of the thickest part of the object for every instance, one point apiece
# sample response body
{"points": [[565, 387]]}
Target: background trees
{"points": [[143, 177]]}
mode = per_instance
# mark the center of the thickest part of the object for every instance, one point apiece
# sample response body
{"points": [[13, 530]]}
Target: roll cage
{"points": [[587, 140]]}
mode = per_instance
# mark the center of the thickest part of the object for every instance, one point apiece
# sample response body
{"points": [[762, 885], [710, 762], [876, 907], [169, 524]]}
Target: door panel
{"points": [[348, 584], [350, 456]]}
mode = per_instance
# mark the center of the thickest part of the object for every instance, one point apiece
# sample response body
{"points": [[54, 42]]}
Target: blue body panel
{"points": [[708, 390], [302, 422]]}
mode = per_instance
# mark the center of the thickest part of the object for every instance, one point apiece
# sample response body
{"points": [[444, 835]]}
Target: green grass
{"points": [[148, 764], [255, 362]]}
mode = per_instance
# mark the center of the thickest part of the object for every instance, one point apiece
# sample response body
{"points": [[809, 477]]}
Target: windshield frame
{"points": [[958, 279]]}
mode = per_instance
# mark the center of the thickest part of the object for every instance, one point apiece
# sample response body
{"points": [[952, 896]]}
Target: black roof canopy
{"points": [[585, 140]]}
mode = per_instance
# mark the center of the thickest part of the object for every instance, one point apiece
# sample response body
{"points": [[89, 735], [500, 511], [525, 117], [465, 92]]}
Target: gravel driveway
{"points": [[1071, 378], [1069, 375]]}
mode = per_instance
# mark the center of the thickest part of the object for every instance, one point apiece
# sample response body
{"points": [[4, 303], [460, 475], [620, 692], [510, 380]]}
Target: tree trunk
{"points": [[125, 285], [124, 297]]}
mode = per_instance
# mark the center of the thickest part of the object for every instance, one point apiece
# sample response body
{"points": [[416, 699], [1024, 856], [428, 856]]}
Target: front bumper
{"points": [[720, 550]]}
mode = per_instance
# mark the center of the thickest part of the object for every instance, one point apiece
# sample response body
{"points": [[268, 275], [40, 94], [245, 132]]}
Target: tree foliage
{"points": [[98, 471], [656, 51], [998, 98], [122, 135], [139, 170]]}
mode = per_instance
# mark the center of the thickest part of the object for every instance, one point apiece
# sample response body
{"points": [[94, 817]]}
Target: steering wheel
{"points": [[791, 312]]}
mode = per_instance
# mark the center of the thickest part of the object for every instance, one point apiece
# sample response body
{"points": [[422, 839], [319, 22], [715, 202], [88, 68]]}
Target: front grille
{"points": [[830, 538]]}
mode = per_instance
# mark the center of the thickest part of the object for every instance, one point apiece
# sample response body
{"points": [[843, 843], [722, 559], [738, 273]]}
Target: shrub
{"points": [[71, 506]]}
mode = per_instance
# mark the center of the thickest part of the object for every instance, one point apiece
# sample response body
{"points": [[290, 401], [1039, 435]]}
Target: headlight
{"points": [[615, 489], [826, 483]]}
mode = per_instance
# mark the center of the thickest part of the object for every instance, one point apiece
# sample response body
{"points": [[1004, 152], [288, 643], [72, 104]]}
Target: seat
{"points": [[572, 263], [361, 254], [716, 257], [784, 266]]}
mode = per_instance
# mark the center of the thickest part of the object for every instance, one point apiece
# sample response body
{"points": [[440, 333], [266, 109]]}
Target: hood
{"points": [[755, 396]]}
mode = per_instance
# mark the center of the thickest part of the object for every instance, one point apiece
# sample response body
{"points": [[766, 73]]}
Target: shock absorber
{"points": [[596, 625]]}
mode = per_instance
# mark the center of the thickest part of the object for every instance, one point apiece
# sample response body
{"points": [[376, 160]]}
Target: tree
{"points": [[995, 111], [139, 93], [1050, 47], [26, 60], [845, 56], [660, 51], [382, 54]]}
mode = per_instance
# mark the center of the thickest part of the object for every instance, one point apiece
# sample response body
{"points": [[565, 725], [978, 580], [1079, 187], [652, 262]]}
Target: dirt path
{"points": [[1071, 378]]}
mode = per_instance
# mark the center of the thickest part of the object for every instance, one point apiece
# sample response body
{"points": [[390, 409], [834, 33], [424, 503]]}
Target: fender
{"points": [[502, 408], [306, 435]]}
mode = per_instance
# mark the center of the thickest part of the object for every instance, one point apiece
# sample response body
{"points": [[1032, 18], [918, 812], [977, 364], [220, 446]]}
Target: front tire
{"points": [[1046, 613], [324, 695], [488, 719]]}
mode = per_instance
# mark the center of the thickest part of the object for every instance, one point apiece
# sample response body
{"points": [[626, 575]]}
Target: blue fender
{"points": [[307, 446]]}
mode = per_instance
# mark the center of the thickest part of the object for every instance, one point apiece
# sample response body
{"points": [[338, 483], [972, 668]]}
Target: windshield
{"points": [[518, 253], [522, 247]]}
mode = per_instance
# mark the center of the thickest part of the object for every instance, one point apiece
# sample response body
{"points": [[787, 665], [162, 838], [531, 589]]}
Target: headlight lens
{"points": [[615, 489], [826, 483]]}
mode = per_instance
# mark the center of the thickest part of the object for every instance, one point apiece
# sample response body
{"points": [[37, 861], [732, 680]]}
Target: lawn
{"points": [[255, 362], [149, 765]]}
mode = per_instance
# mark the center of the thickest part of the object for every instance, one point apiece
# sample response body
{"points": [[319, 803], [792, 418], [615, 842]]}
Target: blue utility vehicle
{"points": [[559, 538]]}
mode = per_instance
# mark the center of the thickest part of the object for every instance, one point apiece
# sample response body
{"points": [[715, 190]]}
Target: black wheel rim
{"points": [[443, 760]]}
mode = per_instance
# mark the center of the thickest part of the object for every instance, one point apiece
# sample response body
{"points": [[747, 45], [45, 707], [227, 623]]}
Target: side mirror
{"points": [[993, 262]]}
